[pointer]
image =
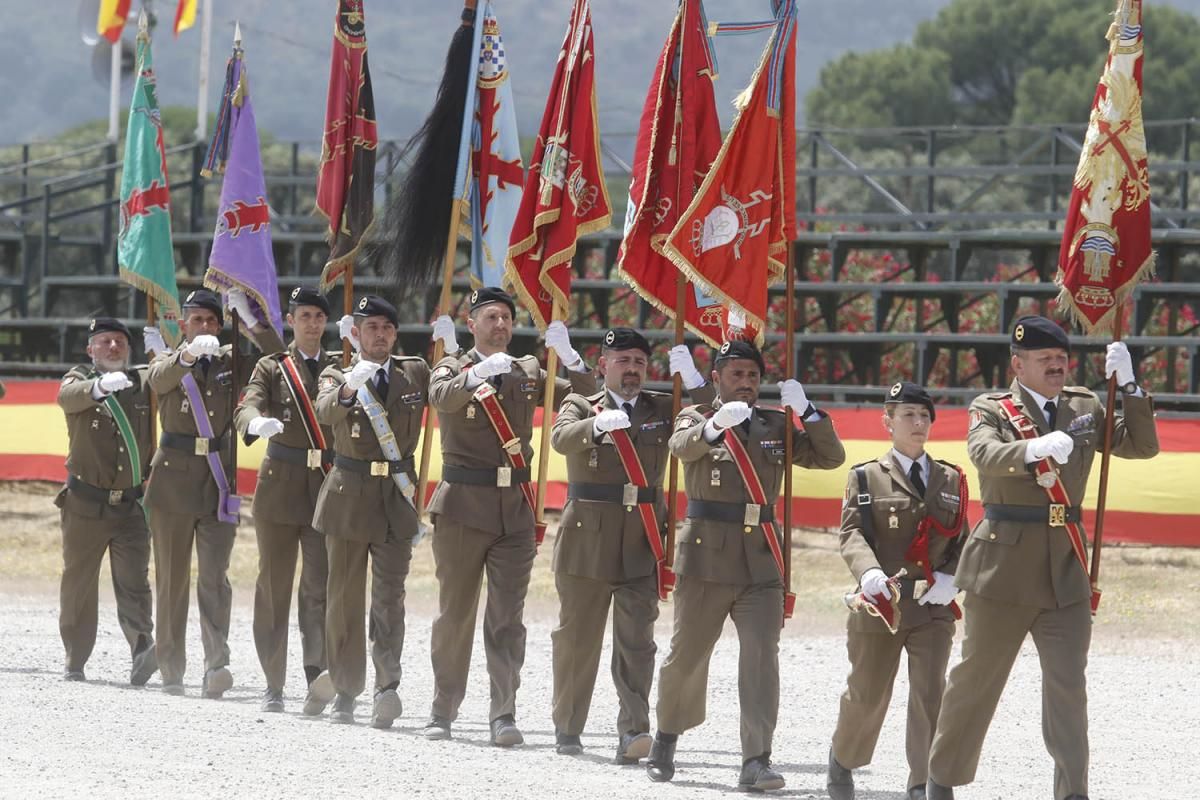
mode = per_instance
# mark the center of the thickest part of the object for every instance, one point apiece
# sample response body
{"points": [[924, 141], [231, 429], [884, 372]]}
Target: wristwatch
{"points": [[1130, 388]]}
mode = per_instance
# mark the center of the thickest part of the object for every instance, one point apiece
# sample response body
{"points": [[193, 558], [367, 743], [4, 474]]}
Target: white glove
{"points": [[236, 299], [1056, 444], [875, 584], [941, 593], [730, 414], [153, 342], [684, 366], [346, 330], [443, 328], [111, 382], [203, 345], [611, 419], [1118, 362], [792, 393], [558, 340], [495, 364], [362, 372], [264, 427]]}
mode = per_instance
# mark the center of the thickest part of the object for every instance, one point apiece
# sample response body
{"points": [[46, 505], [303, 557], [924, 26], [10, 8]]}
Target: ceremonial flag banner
{"points": [[678, 139], [1106, 241], [565, 196], [111, 19], [732, 240], [489, 155], [185, 15], [144, 252], [346, 180], [241, 255]]}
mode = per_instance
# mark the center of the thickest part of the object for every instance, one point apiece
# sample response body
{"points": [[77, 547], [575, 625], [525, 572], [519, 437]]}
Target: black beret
{"points": [[203, 298], [374, 306], [740, 349], [1038, 333], [108, 325], [492, 294], [906, 392], [308, 296], [626, 339]]}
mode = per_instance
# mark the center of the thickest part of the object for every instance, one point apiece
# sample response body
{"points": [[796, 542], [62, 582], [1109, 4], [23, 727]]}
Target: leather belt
{"points": [[1055, 515], [380, 469], [735, 513], [298, 455], [112, 497], [193, 445], [625, 494], [501, 477]]}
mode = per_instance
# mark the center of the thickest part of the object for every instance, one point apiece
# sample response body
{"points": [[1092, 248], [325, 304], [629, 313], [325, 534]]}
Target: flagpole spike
{"points": [[143, 22], [237, 34]]}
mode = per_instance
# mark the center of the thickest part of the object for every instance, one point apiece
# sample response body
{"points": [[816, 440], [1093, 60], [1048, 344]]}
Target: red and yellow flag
{"points": [[112, 17], [565, 196], [733, 238], [678, 139], [185, 15], [1106, 240]]}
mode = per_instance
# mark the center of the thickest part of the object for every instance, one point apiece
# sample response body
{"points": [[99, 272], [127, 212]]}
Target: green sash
{"points": [[126, 429]]}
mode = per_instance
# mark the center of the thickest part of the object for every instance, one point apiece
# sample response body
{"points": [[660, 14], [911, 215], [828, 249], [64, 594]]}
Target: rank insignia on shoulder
{"points": [[684, 423]]}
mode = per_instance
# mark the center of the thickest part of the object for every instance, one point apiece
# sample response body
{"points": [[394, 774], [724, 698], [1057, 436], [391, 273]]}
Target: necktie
{"points": [[204, 363], [745, 426], [1051, 413], [311, 363], [381, 384], [914, 475], [628, 409]]}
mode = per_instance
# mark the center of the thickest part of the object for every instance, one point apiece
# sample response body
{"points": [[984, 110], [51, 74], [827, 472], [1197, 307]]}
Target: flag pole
{"points": [[151, 319], [235, 359], [1105, 457], [202, 88], [789, 338], [557, 314]]}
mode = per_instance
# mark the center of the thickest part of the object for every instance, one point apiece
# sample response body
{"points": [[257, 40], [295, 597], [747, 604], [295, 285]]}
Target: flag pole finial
{"points": [[143, 22], [237, 33]]}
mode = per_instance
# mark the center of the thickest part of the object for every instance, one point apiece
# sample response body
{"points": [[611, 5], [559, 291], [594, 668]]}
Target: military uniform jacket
{"points": [[181, 481], [470, 441], [96, 450], [732, 553], [600, 540], [287, 492], [351, 503], [1032, 564], [896, 510]]}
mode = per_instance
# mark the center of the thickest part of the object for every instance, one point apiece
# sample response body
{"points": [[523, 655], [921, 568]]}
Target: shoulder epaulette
{"points": [[1077, 390], [595, 397], [407, 358], [998, 395], [863, 463]]}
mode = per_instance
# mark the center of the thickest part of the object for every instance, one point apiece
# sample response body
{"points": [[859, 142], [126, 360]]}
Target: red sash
{"points": [[1059, 499], [485, 394], [637, 476], [308, 415], [755, 489], [918, 551]]}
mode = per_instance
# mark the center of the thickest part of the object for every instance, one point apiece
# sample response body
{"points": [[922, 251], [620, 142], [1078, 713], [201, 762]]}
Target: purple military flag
{"points": [[241, 256]]}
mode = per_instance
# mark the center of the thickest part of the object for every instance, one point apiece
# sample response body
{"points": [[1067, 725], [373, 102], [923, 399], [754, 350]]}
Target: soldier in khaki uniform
{"points": [[182, 497], [289, 480], [1019, 571], [725, 565], [480, 525], [886, 502], [99, 504], [601, 553], [366, 515]]}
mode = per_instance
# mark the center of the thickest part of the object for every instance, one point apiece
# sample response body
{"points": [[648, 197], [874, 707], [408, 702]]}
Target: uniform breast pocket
{"points": [[893, 513]]}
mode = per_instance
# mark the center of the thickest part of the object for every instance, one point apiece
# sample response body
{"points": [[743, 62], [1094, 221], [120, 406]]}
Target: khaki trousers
{"points": [[278, 546], [463, 556], [85, 541], [173, 535], [701, 608], [874, 661], [345, 636], [577, 641], [994, 632]]}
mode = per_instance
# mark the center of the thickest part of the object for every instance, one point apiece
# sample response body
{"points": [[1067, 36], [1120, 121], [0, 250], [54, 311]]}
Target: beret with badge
{"points": [[210, 301], [626, 339], [1039, 333], [374, 306], [108, 325], [492, 294], [740, 349], [906, 392], [308, 296]]}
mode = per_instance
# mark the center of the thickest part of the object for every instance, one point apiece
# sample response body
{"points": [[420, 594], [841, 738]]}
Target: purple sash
{"points": [[227, 505]]}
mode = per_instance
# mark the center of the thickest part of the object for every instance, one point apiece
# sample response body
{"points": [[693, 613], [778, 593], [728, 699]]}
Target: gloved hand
{"points": [[203, 345], [792, 393], [443, 328], [1118, 362], [1056, 444], [730, 414], [153, 342], [684, 366], [558, 340], [941, 593], [610, 419], [875, 584], [236, 299], [362, 372], [346, 331], [264, 427], [111, 382], [495, 364]]}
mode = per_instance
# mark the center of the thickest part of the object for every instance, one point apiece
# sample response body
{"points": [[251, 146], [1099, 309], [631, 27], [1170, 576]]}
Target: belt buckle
{"points": [[201, 446], [629, 495], [503, 477], [313, 460], [1058, 515], [116, 497], [379, 469], [753, 513]]}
